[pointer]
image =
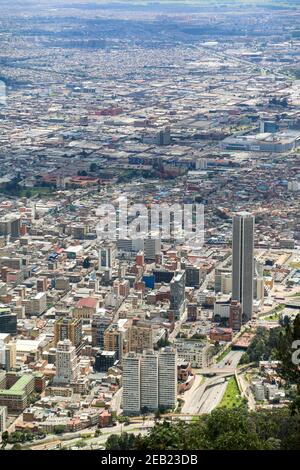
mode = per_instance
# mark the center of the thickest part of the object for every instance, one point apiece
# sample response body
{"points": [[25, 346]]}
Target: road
{"points": [[204, 397], [51, 442]]}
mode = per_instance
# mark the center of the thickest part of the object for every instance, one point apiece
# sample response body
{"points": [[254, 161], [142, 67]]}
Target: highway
{"points": [[204, 397]]}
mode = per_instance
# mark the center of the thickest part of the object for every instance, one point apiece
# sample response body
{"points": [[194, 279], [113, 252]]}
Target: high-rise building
{"points": [[10, 225], [104, 360], [3, 418], [235, 315], [220, 273], [66, 363], [140, 336], [149, 381], [243, 262], [113, 340], [193, 276], [41, 284], [68, 328], [131, 384], [167, 378], [177, 294], [152, 247], [107, 256], [100, 323], [8, 321]]}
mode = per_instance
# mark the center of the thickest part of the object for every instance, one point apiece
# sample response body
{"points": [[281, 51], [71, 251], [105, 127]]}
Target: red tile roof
{"points": [[89, 302]]}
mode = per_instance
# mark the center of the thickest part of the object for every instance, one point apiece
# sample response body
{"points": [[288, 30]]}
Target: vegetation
{"points": [[263, 347], [234, 429], [17, 437], [224, 354], [289, 357], [232, 397], [59, 429]]}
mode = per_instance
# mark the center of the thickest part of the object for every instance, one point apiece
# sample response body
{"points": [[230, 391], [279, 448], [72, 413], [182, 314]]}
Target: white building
{"points": [[167, 378], [131, 384], [3, 418], [67, 368], [149, 380]]}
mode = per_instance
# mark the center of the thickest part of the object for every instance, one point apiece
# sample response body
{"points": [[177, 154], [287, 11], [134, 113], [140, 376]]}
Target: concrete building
{"points": [[68, 328], [131, 384], [149, 381], [235, 315], [113, 340], [16, 397], [3, 418], [100, 323], [167, 378], [243, 262], [140, 336], [8, 321], [66, 363], [36, 305], [177, 295]]}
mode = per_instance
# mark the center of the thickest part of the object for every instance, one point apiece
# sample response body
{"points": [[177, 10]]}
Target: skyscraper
{"points": [[149, 381], [68, 328], [177, 294], [132, 384], [167, 378], [243, 262], [100, 323], [67, 369]]}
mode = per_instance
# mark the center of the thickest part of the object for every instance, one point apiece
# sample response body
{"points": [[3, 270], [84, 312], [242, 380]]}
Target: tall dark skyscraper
{"points": [[243, 262]]}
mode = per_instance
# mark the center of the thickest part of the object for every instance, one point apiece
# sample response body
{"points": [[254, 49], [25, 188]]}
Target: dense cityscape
{"points": [[115, 337]]}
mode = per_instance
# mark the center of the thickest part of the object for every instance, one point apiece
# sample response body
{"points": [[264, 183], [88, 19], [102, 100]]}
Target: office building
{"points": [[68, 328], [104, 360], [177, 295], [223, 281], [193, 276], [113, 340], [140, 336], [107, 256], [66, 363], [36, 305], [243, 262], [235, 315], [8, 321], [16, 397], [152, 248], [100, 323], [10, 226]]}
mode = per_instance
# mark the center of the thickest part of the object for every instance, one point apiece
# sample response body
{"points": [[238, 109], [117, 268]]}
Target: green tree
{"points": [[289, 370]]}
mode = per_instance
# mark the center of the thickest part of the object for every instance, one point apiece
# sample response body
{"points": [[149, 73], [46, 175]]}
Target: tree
{"points": [[59, 429], [289, 370]]}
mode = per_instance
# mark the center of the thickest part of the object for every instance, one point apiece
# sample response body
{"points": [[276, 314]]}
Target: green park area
{"points": [[232, 397]]}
